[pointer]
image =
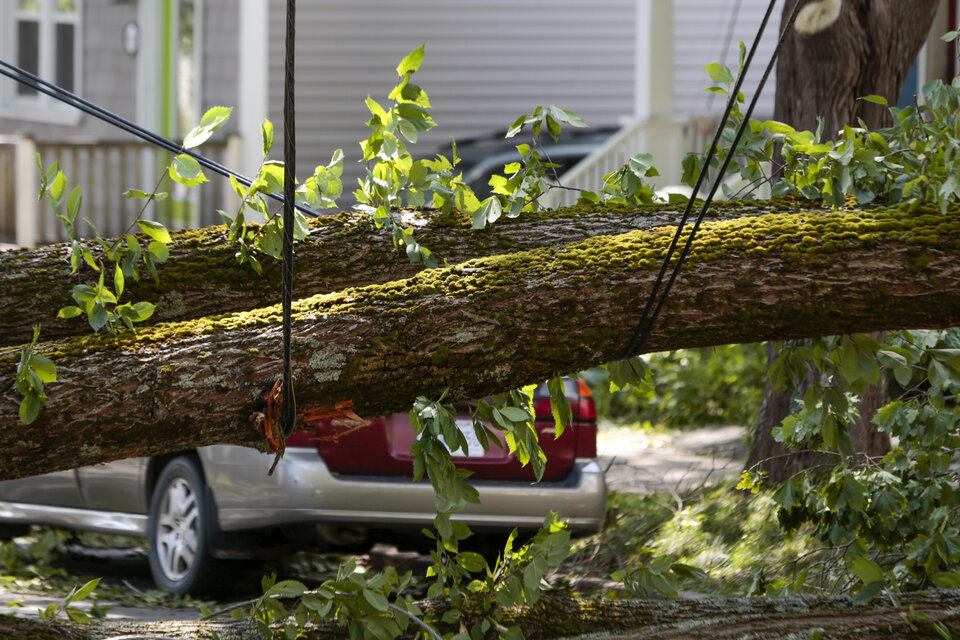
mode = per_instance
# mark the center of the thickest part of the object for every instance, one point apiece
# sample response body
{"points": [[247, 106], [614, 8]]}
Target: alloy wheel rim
{"points": [[177, 530]]}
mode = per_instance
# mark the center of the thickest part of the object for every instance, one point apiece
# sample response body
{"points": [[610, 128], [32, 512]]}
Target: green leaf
{"points": [[143, 310], [775, 127], [271, 241], [85, 590], [118, 280], [559, 405], [411, 62], [719, 73], [98, 317], [867, 570], [73, 203], [488, 212], [286, 589], [471, 561], [158, 251], [515, 414], [186, 170], [376, 600], [867, 593], [43, 368], [143, 195], [213, 119], [69, 312], [30, 408], [155, 230], [57, 189], [875, 99], [266, 134]]}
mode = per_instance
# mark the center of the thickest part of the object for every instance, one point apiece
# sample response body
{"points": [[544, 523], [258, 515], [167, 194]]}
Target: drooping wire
{"points": [[632, 345], [40, 85], [289, 187], [644, 328]]}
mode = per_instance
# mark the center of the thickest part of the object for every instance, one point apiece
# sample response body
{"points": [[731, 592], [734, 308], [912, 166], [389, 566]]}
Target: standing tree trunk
{"points": [[837, 53]]}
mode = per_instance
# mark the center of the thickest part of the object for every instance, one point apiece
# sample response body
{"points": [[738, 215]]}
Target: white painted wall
{"points": [[708, 31]]}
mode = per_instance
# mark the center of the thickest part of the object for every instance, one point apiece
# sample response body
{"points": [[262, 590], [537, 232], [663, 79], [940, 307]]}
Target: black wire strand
{"points": [[648, 326], [289, 186], [635, 339], [40, 85]]}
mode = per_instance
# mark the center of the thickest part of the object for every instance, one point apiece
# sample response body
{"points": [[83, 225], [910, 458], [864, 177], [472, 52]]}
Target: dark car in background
{"points": [[340, 484], [484, 156]]}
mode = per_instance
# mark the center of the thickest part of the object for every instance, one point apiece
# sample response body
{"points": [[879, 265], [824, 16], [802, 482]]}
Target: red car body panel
{"points": [[382, 447]]}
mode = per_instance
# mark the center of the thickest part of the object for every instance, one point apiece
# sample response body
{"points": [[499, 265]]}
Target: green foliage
{"points": [[101, 304], [685, 388], [526, 180], [627, 185], [914, 161], [897, 511], [253, 240], [717, 541], [76, 594], [367, 607], [394, 178], [33, 371]]}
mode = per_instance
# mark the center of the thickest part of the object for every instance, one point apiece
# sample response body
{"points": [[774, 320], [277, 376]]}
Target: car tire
{"points": [[179, 530]]}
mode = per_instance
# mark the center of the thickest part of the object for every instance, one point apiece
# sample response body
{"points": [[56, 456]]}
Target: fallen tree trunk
{"points": [[484, 326], [202, 277], [553, 617]]}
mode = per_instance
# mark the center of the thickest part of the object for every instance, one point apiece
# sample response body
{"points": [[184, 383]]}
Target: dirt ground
{"points": [[641, 462]]}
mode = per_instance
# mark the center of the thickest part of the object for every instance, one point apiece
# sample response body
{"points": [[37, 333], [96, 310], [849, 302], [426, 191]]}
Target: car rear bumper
{"points": [[302, 490]]}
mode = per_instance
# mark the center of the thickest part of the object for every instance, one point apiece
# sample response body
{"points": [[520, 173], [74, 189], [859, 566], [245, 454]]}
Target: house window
{"points": [[43, 38]]}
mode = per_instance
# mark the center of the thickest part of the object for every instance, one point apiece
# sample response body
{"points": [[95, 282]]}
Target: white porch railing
{"points": [[667, 140], [103, 170]]}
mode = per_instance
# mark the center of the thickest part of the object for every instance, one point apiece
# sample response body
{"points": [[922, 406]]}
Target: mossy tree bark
{"points": [[660, 619], [202, 277], [484, 326]]}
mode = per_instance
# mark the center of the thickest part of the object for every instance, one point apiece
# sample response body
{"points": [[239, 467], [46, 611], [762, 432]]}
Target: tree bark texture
{"points": [[484, 326], [660, 619], [837, 53], [202, 277], [826, 67]]}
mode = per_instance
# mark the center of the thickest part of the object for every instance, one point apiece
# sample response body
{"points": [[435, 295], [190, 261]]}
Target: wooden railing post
{"points": [[27, 186]]}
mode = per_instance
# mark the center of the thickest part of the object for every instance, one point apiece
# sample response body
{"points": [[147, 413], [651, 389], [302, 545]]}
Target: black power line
{"points": [[648, 326], [58, 93], [289, 172], [635, 340]]}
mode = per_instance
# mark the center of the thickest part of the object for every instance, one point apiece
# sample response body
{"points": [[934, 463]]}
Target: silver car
{"points": [[340, 484]]}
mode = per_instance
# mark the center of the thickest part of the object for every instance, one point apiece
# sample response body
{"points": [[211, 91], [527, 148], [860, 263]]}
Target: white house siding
{"points": [[486, 62], [708, 31], [221, 24]]}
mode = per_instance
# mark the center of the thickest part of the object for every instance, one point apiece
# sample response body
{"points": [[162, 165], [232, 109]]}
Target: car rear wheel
{"points": [[179, 532]]}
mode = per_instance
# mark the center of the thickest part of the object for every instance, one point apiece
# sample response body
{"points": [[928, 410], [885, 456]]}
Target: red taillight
{"points": [[302, 438], [583, 408]]}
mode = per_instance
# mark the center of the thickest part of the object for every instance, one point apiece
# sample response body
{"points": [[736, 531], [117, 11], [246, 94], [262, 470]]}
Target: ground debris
{"points": [[577, 618]]}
